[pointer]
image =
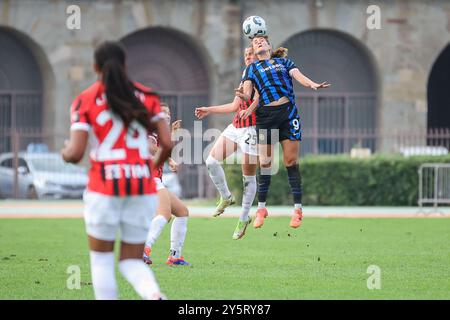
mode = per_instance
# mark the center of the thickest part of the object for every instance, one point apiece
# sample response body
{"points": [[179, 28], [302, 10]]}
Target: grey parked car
{"points": [[41, 176]]}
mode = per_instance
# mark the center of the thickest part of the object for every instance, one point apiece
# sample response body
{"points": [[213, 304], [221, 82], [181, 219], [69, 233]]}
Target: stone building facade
{"points": [[191, 52]]}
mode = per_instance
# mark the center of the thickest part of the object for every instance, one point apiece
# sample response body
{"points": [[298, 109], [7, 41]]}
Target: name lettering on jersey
{"points": [[277, 67], [119, 171]]}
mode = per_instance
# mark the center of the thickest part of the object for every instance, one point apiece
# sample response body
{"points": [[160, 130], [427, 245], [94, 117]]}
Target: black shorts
{"points": [[282, 120]]}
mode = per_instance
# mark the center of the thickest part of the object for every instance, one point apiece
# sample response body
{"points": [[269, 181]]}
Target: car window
{"points": [[54, 164], [7, 163], [22, 163]]}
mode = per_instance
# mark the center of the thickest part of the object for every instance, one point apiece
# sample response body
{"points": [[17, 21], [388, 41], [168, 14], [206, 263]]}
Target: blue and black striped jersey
{"points": [[272, 79]]}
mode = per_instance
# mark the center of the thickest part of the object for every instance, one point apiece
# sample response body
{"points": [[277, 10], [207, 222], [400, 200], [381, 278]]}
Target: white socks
{"points": [[139, 275], [177, 233], [261, 205], [297, 206], [134, 270], [157, 226], [177, 236], [218, 176], [103, 275], [248, 195]]}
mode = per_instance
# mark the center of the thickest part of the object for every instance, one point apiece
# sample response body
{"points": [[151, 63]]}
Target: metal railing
{"points": [[335, 122], [196, 182], [194, 179], [341, 141], [434, 185]]}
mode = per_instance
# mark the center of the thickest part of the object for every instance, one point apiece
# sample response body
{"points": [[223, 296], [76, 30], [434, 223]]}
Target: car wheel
{"points": [[32, 193]]}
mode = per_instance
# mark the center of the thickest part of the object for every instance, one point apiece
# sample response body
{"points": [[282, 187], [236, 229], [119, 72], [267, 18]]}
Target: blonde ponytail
{"points": [[281, 52]]}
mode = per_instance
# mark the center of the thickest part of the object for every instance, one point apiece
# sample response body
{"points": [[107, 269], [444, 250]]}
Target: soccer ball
{"points": [[254, 26]]}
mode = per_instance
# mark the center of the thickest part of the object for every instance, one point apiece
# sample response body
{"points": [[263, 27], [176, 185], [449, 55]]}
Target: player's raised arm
{"points": [[245, 92], [305, 81]]}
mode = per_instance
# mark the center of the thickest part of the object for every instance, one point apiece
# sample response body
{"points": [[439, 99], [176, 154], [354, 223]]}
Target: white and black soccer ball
{"points": [[254, 26]]}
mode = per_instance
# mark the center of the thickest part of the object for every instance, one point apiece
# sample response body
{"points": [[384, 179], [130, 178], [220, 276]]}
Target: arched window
{"points": [[345, 115], [438, 92], [172, 64], [20, 86]]}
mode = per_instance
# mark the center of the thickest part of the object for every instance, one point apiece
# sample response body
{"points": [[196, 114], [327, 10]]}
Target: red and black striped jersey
{"points": [[244, 123], [121, 164]]}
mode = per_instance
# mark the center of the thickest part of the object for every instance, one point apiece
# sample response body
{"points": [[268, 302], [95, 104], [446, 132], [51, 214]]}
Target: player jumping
{"points": [[272, 78], [240, 133]]}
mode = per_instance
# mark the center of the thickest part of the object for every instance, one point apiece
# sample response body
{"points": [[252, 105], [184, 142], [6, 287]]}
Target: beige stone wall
{"points": [[412, 36]]}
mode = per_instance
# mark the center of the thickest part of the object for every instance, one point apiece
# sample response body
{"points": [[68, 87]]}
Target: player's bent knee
{"points": [[130, 250], [185, 212], [290, 162], [249, 169], [99, 245], [265, 164], [182, 211]]}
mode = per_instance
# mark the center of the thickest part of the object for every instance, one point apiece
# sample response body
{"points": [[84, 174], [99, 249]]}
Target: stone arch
{"points": [[438, 116], [26, 83], [173, 64]]}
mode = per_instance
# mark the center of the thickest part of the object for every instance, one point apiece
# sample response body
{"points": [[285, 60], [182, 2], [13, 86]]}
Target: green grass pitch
{"points": [[324, 259]]}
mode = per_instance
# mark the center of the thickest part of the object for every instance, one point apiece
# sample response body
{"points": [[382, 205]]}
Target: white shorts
{"points": [[159, 184], [105, 215], [245, 138]]}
